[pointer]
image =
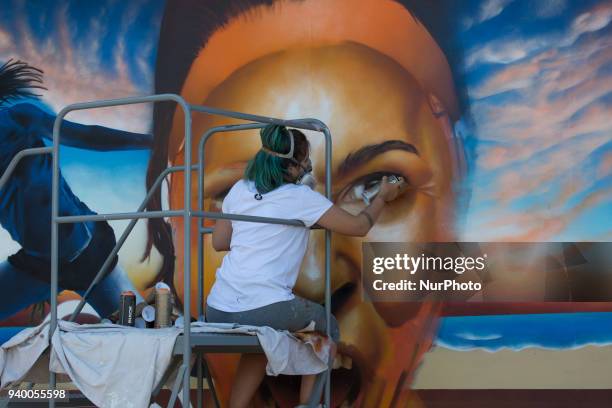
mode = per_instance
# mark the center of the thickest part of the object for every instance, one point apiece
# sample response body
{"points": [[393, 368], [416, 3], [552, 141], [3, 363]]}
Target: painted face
{"points": [[383, 121]]}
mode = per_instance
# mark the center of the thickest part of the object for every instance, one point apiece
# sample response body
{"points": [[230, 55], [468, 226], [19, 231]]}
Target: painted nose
{"points": [[343, 267], [311, 280]]}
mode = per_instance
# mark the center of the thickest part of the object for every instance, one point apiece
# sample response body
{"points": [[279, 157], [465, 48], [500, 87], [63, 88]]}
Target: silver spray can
{"points": [[369, 194]]}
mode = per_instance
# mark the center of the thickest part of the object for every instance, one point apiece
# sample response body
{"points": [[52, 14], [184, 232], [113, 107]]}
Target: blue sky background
{"points": [[539, 84]]}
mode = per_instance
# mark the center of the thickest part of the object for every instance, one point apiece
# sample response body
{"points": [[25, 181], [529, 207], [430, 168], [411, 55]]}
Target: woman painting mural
{"points": [[374, 74], [254, 284]]}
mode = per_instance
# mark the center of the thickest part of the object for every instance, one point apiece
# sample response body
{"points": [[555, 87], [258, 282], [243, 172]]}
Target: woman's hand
{"points": [[390, 191], [339, 220]]}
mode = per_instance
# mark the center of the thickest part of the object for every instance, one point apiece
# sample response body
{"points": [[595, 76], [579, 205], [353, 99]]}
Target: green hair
{"points": [[270, 172]]}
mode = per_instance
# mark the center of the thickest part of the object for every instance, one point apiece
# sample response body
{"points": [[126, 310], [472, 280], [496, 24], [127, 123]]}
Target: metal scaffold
{"points": [[188, 342]]}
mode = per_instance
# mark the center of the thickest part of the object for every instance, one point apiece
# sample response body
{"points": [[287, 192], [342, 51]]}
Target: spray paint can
{"points": [[148, 315], [369, 194], [163, 308], [127, 308]]}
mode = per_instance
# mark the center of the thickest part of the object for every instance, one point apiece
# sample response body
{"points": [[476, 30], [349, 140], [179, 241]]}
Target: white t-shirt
{"points": [[264, 260]]}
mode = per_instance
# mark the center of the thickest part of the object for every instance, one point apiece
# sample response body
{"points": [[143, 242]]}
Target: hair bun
{"points": [[274, 140]]}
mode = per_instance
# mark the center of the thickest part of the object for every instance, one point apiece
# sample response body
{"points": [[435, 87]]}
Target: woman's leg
{"points": [[308, 380], [19, 290], [251, 371], [104, 298], [306, 387], [301, 312], [292, 315]]}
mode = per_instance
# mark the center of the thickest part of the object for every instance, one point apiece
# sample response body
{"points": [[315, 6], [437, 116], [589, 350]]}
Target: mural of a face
{"points": [[534, 76], [372, 91]]}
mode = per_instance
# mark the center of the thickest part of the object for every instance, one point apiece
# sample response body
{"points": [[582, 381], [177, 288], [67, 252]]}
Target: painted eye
{"points": [[354, 192]]}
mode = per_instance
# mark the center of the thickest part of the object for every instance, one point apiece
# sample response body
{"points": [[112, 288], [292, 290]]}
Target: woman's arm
{"points": [[339, 220], [222, 235]]}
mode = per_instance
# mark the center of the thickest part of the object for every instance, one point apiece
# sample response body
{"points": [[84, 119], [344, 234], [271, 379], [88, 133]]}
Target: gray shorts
{"points": [[292, 315]]}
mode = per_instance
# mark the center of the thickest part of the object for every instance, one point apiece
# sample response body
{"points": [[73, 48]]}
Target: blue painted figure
{"points": [[25, 204]]}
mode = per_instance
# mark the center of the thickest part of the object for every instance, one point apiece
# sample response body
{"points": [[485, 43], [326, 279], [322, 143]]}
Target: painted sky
{"points": [[539, 82], [538, 78], [89, 51]]}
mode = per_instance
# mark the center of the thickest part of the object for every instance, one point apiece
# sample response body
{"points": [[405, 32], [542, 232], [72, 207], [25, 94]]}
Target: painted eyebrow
{"points": [[367, 153]]}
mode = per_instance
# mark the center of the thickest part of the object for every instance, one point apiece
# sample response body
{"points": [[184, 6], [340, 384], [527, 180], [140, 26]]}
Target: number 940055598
{"points": [[32, 394]]}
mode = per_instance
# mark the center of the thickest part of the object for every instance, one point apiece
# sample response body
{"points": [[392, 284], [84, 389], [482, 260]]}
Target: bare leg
{"points": [[306, 387], [251, 371], [309, 380]]}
